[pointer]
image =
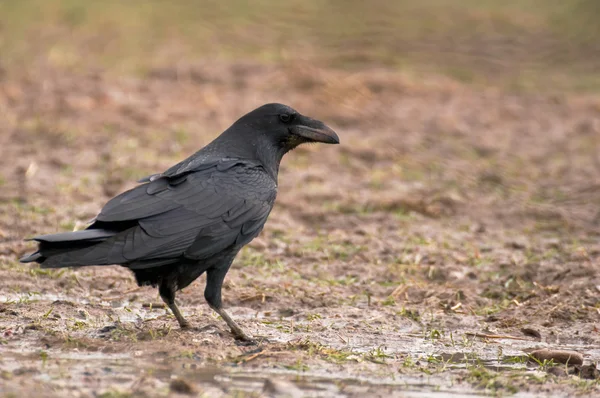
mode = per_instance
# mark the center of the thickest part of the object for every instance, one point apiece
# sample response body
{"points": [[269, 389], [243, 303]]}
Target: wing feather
{"points": [[188, 214]]}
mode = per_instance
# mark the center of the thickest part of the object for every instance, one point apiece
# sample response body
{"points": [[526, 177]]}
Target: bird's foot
{"points": [[240, 336], [245, 343], [242, 339], [184, 325], [208, 328]]}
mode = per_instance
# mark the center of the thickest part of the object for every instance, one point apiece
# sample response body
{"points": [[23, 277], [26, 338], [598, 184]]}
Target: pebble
{"points": [[558, 356]]}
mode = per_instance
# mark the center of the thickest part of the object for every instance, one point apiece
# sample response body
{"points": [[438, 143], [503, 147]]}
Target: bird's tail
{"points": [[67, 249]]}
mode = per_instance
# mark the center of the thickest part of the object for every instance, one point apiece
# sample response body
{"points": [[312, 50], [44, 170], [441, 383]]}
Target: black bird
{"points": [[196, 216]]}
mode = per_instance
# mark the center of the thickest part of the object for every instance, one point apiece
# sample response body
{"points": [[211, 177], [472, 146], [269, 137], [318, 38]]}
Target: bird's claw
{"points": [[242, 338], [245, 342], [248, 341]]}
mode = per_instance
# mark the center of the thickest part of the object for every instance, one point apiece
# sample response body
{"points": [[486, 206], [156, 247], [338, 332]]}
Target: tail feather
{"points": [[55, 250], [32, 257], [86, 234]]}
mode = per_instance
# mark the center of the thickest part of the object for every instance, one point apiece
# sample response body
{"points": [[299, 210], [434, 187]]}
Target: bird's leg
{"points": [[167, 293], [237, 331], [212, 294]]}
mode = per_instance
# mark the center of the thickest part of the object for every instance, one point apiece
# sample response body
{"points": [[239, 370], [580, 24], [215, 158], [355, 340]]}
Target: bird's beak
{"points": [[315, 131]]}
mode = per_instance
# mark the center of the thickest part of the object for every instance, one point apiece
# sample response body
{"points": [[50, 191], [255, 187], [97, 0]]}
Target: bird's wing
{"points": [[197, 162], [164, 192], [196, 214]]}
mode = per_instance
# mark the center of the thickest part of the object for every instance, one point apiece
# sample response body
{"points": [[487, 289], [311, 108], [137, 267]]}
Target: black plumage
{"points": [[197, 215]]}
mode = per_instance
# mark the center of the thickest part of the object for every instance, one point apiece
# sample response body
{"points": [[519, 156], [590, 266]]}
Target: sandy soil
{"points": [[454, 231]]}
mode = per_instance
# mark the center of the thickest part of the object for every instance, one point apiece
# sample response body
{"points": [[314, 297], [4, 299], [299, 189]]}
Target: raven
{"points": [[194, 217]]}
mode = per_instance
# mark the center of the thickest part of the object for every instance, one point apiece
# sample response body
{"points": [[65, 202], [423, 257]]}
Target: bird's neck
{"points": [[261, 150], [270, 159]]}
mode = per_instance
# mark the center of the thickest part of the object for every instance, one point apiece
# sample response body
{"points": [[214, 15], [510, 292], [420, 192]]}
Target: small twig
{"points": [[79, 283], [471, 310], [341, 338], [262, 297], [258, 354], [154, 305], [496, 336], [251, 357], [399, 291]]}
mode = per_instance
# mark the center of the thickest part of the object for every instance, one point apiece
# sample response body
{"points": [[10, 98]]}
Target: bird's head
{"points": [[269, 132], [286, 128]]}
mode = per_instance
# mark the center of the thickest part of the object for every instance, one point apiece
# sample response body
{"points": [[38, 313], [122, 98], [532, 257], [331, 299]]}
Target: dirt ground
{"points": [[454, 230]]}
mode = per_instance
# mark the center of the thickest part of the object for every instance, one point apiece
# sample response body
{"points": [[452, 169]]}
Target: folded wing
{"points": [[194, 215]]}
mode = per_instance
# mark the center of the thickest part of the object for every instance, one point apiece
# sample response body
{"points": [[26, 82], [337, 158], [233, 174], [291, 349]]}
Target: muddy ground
{"points": [[454, 230]]}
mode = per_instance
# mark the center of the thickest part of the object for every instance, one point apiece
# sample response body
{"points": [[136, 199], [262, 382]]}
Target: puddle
{"points": [[95, 371], [98, 371], [334, 356]]}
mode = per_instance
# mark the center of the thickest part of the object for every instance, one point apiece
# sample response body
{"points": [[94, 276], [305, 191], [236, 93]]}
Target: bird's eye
{"points": [[286, 117]]}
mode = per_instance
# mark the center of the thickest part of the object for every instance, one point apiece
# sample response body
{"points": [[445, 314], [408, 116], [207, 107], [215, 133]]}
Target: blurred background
{"points": [[522, 44]]}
